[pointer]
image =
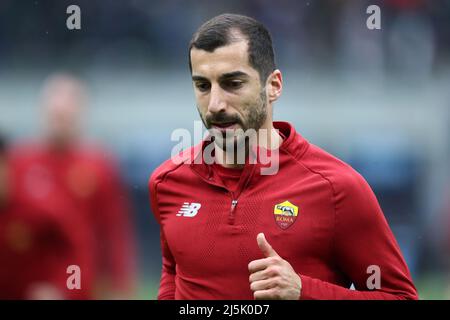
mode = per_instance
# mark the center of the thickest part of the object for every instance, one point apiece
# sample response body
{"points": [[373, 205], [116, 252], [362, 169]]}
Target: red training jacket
{"points": [[317, 212]]}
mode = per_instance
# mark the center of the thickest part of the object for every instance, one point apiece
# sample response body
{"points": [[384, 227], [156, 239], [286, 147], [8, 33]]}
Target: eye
{"points": [[202, 86], [233, 84]]}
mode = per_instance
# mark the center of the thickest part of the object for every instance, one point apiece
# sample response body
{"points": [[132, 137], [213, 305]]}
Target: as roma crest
{"points": [[285, 214]]}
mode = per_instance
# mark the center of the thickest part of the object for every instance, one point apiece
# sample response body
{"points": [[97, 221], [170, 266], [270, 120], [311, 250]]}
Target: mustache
{"points": [[222, 118]]}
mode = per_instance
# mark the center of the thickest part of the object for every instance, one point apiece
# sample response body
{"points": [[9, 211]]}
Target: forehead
{"points": [[229, 58]]}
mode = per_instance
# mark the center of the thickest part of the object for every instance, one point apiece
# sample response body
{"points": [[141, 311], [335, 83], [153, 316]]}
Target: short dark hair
{"points": [[217, 32]]}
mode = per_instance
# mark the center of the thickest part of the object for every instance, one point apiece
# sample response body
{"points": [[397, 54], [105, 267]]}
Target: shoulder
{"points": [[342, 178], [24, 150], [97, 159], [94, 152], [170, 166], [159, 174], [353, 199]]}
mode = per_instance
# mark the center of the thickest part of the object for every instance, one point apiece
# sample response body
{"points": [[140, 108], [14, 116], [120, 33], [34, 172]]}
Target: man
{"points": [[305, 231], [87, 177], [39, 240]]}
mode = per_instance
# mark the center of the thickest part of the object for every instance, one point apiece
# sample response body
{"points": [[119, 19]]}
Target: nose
{"points": [[217, 101]]}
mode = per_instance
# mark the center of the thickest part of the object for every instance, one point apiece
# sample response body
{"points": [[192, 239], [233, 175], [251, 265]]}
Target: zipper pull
{"points": [[233, 205], [231, 215]]}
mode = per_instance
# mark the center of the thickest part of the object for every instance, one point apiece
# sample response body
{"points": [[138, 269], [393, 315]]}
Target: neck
{"points": [[60, 145], [267, 137]]}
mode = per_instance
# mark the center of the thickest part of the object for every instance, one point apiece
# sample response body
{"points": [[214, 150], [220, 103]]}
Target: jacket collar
{"points": [[293, 143]]}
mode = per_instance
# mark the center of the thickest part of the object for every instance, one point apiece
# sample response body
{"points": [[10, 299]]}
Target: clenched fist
{"points": [[273, 277]]}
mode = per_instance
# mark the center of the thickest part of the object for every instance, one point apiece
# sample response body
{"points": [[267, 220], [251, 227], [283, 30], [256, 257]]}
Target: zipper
{"points": [[234, 200], [234, 203]]}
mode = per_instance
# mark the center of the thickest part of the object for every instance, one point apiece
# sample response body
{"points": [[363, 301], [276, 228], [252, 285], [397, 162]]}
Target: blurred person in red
{"points": [[87, 177], [38, 243]]}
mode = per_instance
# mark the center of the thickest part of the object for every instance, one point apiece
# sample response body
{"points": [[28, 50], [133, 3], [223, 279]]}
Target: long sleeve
{"points": [[168, 273], [167, 283], [362, 239]]}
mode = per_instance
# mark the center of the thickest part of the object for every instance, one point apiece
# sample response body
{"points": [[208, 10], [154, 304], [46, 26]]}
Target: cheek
{"points": [[250, 104], [202, 108], [202, 102]]}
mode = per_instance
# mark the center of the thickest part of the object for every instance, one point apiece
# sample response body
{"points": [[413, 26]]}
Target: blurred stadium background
{"points": [[378, 99]]}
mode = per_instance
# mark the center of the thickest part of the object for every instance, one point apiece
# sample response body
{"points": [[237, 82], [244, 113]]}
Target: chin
{"points": [[232, 142]]}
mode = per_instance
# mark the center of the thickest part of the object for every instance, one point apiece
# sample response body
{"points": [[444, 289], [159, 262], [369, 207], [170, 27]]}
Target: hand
{"points": [[273, 277]]}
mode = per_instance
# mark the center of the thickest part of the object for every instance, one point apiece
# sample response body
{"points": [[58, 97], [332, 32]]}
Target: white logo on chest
{"points": [[189, 209]]}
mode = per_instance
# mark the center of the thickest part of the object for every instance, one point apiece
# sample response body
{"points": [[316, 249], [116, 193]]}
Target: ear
{"points": [[274, 85]]}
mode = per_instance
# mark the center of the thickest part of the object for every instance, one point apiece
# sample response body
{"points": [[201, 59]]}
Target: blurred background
{"points": [[378, 99]]}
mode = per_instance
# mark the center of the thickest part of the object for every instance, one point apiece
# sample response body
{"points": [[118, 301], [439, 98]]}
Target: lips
{"points": [[224, 125]]}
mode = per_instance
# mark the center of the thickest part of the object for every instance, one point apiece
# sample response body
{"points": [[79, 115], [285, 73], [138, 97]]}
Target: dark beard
{"points": [[256, 118]]}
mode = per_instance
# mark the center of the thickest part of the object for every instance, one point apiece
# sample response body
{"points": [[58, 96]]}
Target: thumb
{"points": [[265, 247]]}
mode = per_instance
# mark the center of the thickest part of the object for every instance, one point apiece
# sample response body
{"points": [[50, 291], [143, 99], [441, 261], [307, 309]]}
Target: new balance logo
{"points": [[189, 209]]}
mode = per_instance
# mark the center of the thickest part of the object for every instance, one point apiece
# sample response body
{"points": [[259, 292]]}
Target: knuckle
{"points": [[277, 281], [272, 271], [276, 270], [274, 260]]}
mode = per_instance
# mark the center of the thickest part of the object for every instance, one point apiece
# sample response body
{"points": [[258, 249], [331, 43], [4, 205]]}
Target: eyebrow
{"points": [[225, 76]]}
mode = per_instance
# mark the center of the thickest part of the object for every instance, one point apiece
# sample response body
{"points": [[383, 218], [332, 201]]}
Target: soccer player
{"points": [[39, 240], [87, 177], [229, 229]]}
